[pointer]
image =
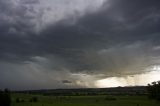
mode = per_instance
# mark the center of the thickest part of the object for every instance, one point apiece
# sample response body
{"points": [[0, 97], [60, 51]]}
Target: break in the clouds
{"points": [[77, 43]]}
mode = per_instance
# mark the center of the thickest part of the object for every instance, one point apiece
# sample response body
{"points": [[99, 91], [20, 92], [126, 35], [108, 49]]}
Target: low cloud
{"points": [[66, 81]]}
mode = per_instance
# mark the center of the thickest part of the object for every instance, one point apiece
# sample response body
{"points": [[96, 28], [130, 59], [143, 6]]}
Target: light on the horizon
{"points": [[134, 80]]}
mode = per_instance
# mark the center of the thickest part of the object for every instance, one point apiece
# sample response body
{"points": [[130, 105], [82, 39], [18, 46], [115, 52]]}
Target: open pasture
{"points": [[103, 100]]}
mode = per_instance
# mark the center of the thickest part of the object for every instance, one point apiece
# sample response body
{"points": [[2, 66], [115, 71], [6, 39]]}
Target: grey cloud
{"points": [[29, 1], [66, 81], [120, 38]]}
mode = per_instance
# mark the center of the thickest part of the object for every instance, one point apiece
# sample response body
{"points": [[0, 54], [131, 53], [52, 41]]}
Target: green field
{"points": [[83, 100]]}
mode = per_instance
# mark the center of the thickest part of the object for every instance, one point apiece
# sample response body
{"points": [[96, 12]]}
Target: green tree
{"points": [[5, 99], [154, 90]]}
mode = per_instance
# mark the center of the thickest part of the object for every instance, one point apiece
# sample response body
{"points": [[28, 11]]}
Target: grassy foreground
{"points": [[83, 100]]}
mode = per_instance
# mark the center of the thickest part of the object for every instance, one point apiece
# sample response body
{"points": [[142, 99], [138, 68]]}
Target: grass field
{"points": [[84, 100]]}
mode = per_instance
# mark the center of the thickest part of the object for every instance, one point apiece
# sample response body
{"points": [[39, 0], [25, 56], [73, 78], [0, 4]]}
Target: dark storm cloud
{"points": [[79, 44], [66, 82], [120, 38], [126, 20]]}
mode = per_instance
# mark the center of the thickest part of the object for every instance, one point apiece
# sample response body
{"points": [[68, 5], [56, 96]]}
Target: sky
{"points": [[47, 44]]}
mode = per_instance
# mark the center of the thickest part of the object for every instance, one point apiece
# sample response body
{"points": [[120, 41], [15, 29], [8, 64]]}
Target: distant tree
{"points": [[154, 90], [34, 99]]}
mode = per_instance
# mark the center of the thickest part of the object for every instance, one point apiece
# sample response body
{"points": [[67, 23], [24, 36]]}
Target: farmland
{"points": [[82, 100]]}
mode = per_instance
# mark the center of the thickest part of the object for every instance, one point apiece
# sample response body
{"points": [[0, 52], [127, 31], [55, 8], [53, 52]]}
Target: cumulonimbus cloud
{"points": [[77, 39]]}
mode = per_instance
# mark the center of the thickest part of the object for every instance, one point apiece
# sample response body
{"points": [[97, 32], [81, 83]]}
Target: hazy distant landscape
{"points": [[122, 96], [102, 100]]}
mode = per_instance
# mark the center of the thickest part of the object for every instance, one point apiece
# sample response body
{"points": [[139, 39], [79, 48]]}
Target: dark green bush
{"points": [[110, 98], [34, 99]]}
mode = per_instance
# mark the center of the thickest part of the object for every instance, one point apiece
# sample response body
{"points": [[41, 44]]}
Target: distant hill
{"points": [[130, 90]]}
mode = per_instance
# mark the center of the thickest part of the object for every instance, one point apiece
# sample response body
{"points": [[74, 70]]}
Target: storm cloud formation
{"points": [[72, 43]]}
